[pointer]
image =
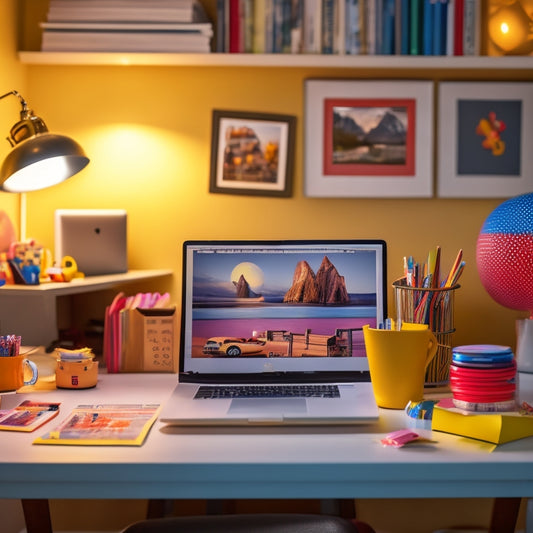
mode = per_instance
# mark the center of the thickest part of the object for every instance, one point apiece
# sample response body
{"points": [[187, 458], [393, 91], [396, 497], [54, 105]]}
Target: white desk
{"points": [[316, 463], [31, 310]]}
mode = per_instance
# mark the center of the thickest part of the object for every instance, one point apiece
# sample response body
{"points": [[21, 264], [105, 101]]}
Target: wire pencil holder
{"points": [[433, 307]]}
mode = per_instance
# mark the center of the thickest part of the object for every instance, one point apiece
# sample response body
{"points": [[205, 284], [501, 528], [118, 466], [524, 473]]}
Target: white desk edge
{"points": [[210, 463]]}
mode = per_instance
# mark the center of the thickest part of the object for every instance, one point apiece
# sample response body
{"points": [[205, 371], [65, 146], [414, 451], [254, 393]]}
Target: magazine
{"points": [[114, 424], [28, 416]]}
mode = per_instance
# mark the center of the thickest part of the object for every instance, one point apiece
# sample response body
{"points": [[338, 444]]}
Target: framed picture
{"points": [[368, 138], [485, 139], [252, 153]]}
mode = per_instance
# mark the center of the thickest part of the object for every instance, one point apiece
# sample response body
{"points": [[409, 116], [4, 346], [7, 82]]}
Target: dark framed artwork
{"points": [[368, 138], [484, 139], [252, 153]]}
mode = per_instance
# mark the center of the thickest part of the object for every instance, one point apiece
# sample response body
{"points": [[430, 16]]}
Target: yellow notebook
{"points": [[497, 428], [119, 424]]}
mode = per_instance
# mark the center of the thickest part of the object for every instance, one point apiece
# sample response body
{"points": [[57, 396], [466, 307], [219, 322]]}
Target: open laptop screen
{"points": [[280, 306]]}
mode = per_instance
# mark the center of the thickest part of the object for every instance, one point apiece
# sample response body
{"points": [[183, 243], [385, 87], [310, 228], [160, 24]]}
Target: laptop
{"points": [[95, 238], [262, 316]]}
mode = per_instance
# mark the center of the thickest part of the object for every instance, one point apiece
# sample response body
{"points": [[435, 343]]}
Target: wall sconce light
{"points": [[39, 159], [510, 28]]}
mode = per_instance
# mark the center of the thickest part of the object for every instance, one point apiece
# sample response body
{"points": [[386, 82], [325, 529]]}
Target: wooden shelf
{"points": [[86, 284], [277, 60]]}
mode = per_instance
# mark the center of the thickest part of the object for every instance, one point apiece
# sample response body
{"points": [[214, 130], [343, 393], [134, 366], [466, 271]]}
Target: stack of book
{"points": [[406, 27], [126, 26]]}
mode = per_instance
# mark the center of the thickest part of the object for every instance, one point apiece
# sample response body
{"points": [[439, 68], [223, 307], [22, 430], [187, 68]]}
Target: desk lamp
{"points": [[39, 159]]}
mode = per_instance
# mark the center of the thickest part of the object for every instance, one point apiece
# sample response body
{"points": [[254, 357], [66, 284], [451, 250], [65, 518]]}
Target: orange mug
{"points": [[13, 370]]}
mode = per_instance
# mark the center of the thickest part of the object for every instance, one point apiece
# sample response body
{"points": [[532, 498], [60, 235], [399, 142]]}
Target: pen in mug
{"points": [[9, 345]]}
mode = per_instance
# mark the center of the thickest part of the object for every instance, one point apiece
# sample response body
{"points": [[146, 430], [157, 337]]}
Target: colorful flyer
{"points": [[28, 416], [120, 424]]}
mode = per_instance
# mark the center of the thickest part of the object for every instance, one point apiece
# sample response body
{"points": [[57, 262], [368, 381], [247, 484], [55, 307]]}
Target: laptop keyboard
{"points": [[266, 391]]}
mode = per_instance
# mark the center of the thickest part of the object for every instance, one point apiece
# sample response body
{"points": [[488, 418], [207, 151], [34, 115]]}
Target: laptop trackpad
{"points": [[268, 406]]}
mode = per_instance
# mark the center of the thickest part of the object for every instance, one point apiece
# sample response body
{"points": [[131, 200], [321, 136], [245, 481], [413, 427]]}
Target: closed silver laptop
{"points": [[95, 238]]}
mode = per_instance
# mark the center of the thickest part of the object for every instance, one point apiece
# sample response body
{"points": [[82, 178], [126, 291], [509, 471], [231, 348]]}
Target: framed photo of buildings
{"points": [[252, 153], [368, 138], [485, 139]]}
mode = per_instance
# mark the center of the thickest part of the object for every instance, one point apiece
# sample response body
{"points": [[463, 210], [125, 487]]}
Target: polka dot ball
{"points": [[504, 253]]}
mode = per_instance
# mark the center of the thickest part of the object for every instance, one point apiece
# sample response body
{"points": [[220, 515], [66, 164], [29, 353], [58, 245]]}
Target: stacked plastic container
{"points": [[483, 377]]}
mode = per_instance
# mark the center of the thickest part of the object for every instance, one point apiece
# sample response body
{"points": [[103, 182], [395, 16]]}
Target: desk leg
{"points": [[160, 508], [37, 516], [343, 508], [504, 515]]}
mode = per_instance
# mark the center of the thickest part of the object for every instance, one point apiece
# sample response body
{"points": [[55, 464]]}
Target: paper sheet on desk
{"points": [[28, 416], [104, 425]]}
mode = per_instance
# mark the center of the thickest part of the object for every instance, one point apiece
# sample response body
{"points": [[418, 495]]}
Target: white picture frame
{"points": [[470, 164], [325, 176]]}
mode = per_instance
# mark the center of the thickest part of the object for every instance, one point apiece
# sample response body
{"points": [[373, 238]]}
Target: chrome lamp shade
{"points": [[39, 159]]}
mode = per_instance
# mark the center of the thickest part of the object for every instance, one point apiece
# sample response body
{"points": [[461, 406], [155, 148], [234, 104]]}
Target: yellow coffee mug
{"points": [[397, 360], [12, 369]]}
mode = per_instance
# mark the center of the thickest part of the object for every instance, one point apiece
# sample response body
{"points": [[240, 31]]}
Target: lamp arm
{"points": [[29, 124], [19, 96]]}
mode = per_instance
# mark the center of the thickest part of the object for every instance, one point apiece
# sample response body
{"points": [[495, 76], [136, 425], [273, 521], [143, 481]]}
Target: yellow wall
{"points": [[147, 131], [13, 76]]}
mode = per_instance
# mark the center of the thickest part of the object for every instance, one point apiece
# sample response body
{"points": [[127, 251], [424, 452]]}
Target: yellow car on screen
{"points": [[233, 346]]}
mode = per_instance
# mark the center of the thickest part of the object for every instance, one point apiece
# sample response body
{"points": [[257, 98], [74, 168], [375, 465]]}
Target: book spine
{"points": [[397, 26], [221, 26], [259, 27], [234, 26], [248, 26], [353, 27], [312, 26], [440, 21], [378, 32], [450, 27], [339, 28], [471, 28], [417, 10], [277, 26], [427, 27], [327, 26], [370, 25], [363, 8], [389, 16], [458, 24], [269, 26], [297, 7], [286, 9], [405, 17]]}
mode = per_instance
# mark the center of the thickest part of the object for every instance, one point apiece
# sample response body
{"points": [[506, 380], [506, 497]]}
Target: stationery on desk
{"points": [[431, 271], [28, 416], [428, 294], [104, 425], [497, 428], [139, 334]]}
